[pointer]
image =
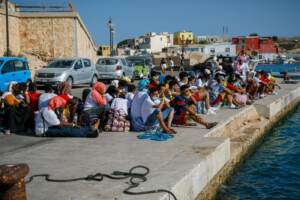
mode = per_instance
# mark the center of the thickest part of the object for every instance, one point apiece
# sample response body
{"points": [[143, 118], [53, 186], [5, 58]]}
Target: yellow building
{"points": [[104, 50], [184, 37]]}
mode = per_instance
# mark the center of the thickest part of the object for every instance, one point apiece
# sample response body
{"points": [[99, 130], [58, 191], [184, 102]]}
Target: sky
{"points": [[133, 18]]}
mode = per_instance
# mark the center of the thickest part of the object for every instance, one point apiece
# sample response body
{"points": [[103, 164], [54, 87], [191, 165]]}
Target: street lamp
{"points": [[7, 29], [111, 28]]}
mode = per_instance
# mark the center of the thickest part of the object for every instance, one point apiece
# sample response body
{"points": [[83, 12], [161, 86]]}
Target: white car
{"points": [[113, 68], [73, 70]]}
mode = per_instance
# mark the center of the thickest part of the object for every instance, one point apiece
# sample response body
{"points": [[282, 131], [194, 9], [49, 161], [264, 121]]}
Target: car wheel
{"points": [[94, 79], [70, 81]]}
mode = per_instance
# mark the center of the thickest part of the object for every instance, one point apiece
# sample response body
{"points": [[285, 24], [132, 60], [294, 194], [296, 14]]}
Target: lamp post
{"points": [[7, 29], [111, 28]]}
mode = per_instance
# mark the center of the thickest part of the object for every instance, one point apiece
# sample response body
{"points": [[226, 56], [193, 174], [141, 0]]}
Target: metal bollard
{"points": [[12, 183]]}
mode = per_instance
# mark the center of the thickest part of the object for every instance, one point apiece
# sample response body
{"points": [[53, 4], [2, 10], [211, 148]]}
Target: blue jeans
{"points": [[68, 132], [152, 119]]}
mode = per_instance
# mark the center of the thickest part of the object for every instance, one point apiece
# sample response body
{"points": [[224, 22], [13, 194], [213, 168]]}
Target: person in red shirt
{"points": [[32, 97]]}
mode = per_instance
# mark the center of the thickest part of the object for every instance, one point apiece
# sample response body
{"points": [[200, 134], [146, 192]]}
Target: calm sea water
{"points": [[279, 67], [273, 171]]}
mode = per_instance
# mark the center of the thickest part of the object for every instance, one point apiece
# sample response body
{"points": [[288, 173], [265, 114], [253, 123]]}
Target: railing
{"points": [[45, 7]]}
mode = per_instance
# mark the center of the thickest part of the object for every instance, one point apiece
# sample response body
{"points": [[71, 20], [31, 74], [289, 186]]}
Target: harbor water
{"points": [[273, 171]]}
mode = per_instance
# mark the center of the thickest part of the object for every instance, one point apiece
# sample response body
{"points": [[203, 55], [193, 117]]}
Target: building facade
{"points": [[255, 45], [184, 37], [217, 49], [155, 42]]}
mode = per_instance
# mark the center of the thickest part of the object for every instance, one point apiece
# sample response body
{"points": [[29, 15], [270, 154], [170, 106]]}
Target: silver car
{"points": [[73, 70], [111, 68]]}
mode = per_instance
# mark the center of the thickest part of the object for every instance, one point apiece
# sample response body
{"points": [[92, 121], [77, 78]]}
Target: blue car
{"points": [[13, 69]]}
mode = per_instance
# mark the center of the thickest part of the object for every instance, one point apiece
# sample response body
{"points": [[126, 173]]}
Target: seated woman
{"points": [[16, 111], [118, 115], [153, 113], [50, 122], [239, 93], [137, 123], [96, 105], [64, 90], [185, 111]]}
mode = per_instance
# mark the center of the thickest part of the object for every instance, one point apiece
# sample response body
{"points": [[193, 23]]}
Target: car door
{"points": [[8, 74], [77, 72], [21, 71], [88, 70]]}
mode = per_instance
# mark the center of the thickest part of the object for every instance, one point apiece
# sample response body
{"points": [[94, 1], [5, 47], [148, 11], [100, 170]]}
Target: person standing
{"points": [[163, 66], [171, 64]]}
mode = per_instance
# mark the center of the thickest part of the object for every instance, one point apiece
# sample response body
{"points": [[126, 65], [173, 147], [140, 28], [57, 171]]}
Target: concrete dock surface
{"points": [[184, 165]]}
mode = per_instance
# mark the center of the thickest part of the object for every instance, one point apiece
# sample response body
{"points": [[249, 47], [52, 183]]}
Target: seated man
{"points": [[154, 114], [184, 110], [50, 122]]}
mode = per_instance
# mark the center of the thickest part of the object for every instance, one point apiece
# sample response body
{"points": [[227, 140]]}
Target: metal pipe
{"points": [[7, 29]]}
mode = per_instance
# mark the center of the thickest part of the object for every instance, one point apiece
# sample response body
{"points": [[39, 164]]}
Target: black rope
{"points": [[135, 179]]}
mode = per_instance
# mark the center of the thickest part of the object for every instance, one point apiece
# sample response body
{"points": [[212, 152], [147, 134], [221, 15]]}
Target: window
{"points": [[78, 65], [107, 61], [61, 64], [227, 50], [1, 62], [124, 63], [19, 65], [87, 62], [8, 67]]}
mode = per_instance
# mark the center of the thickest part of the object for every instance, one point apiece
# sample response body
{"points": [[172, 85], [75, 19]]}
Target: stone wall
{"points": [[85, 48], [13, 31], [47, 35], [51, 37]]}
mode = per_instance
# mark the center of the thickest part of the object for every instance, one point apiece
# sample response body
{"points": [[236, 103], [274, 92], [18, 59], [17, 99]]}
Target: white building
{"points": [[210, 38], [224, 49], [155, 42]]}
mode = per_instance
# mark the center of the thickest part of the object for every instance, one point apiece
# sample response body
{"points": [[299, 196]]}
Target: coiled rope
{"points": [[135, 179]]}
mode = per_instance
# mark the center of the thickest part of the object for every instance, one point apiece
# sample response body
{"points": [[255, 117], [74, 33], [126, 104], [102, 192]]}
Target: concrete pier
{"points": [[192, 165]]}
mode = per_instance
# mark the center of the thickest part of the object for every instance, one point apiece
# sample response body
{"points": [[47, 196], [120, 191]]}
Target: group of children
{"points": [[161, 102]]}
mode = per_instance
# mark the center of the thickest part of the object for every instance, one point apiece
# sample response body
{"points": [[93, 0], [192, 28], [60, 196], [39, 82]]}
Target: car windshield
{"points": [[136, 61], [61, 64], [107, 61], [1, 61]]}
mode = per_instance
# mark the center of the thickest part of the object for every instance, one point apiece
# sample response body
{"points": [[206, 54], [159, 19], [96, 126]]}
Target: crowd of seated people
{"points": [[161, 102]]}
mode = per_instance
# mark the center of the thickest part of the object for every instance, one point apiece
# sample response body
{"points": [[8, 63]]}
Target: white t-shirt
{"points": [[89, 102], [164, 66], [42, 125], [44, 99], [136, 105], [119, 104], [147, 108], [171, 63]]}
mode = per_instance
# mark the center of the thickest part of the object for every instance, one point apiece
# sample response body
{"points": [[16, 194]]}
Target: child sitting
{"points": [[118, 115]]}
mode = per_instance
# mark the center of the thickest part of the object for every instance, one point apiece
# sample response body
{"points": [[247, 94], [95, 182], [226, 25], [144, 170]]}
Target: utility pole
{"points": [[7, 29]]}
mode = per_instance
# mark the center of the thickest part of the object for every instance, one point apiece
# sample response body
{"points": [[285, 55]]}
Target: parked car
{"points": [[142, 65], [73, 70], [111, 68], [13, 69]]}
